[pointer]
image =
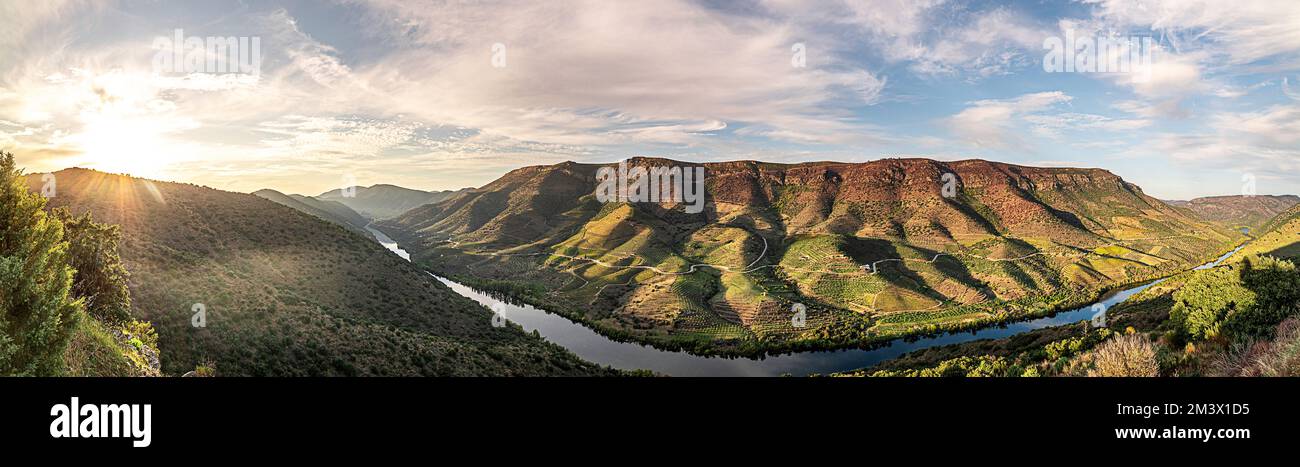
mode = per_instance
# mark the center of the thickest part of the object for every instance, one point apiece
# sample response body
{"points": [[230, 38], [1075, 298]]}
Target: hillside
{"points": [[874, 250], [385, 201], [331, 211], [1240, 211], [1278, 237], [285, 293]]}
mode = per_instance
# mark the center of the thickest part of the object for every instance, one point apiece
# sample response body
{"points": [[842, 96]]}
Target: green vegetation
{"points": [[1279, 237], [101, 279], [37, 308], [1045, 352], [98, 349], [67, 309]]}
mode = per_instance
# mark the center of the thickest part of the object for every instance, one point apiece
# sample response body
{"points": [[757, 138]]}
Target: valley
{"points": [[867, 329], [872, 251], [287, 293], [592, 346]]}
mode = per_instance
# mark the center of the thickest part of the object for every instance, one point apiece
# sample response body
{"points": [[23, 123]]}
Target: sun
{"points": [[130, 146], [125, 125]]}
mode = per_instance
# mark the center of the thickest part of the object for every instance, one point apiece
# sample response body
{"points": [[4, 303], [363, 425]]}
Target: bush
{"points": [[37, 310], [1126, 355], [101, 279], [1280, 357], [1207, 299]]}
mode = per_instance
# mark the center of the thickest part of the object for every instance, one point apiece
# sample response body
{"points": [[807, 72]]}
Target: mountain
{"points": [[331, 211], [286, 293], [873, 250], [1239, 211], [384, 201]]}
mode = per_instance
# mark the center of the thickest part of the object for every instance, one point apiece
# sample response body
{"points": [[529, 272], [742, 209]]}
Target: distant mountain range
{"points": [[355, 209], [873, 250], [1239, 211], [384, 201], [331, 211], [286, 293]]}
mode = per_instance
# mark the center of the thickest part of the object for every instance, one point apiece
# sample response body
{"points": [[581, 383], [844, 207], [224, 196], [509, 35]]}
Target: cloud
{"points": [[1168, 108], [1276, 126], [593, 72], [1242, 32], [989, 123], [933, 37], [1288, 91], [1002, 123], [1265, 143], [386, 86]]}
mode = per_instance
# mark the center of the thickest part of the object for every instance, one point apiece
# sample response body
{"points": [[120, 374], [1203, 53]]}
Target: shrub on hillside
{"points": [[1279, 357], [1126, 355], [101, 279]]}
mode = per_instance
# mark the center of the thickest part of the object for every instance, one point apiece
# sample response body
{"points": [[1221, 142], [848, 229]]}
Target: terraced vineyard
{"points": [[809, 255]]}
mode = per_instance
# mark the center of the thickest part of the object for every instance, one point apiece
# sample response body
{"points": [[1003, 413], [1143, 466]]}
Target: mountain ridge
{"points": [[382, 201], [1240, 210], [873, 244]]}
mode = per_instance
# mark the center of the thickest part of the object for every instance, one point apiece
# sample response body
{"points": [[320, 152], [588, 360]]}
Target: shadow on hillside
{"points": [[869, 250], [1291, 251]]}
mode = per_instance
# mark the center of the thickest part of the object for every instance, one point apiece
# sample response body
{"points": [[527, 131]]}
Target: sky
{"points": [[450, 94]]}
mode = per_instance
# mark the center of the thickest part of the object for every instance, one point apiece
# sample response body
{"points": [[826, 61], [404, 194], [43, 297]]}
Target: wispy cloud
{"points": [[448, 93]]}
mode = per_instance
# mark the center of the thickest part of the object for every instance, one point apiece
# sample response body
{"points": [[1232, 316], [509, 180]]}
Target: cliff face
{"points": [[892, 198]]}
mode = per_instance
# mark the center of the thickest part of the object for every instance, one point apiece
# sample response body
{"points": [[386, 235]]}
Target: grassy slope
{"points": [[94, 351], [1279, 237], [289, 294]]}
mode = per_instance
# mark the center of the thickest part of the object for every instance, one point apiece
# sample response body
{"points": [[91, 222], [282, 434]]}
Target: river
{"points": [[593, 347]]}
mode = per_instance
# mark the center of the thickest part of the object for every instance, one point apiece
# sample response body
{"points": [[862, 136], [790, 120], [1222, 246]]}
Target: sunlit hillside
{"points": [[286, 293], [873, 250]]}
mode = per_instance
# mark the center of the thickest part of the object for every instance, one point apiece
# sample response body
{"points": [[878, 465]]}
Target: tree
{"points": [[101, 279], [1208, 299], [37, 311], [1246, 300], [1276, 284]]}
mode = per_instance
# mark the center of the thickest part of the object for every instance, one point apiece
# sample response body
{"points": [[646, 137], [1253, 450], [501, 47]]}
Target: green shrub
{"points": [[37, 310]]}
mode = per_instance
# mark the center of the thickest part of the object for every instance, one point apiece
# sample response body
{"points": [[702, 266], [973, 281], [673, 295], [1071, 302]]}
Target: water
{"points": [[593, 347], [389, 243]]}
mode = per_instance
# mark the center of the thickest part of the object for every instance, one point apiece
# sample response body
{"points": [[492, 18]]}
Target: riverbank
{"points": [[1076, 304], [592, 345]]}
